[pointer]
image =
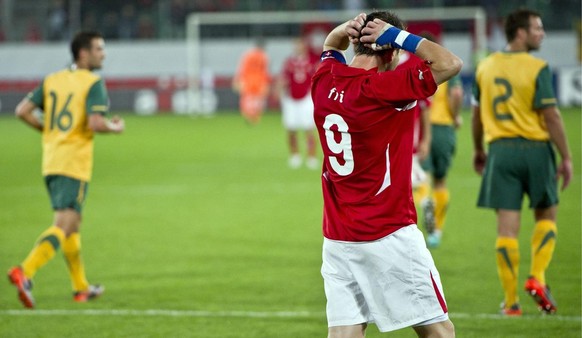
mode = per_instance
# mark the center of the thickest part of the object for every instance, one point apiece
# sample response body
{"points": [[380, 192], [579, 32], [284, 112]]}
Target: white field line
{"points": [[249, 314]]}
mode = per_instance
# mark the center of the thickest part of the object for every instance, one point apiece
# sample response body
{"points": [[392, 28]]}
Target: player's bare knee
{"points": [[444, 329], [449, 329], [351, 331]]}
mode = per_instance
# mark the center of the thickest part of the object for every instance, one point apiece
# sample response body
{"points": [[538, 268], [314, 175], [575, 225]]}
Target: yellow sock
{"points": [[543, 242], [441, 204], [508, 267], [421, 192], [72, 252], [44, 250]]}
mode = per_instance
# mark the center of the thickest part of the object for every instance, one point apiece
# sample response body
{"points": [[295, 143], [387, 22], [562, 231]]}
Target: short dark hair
{"points": [[83, 40], [516, 20], [385, 16]]}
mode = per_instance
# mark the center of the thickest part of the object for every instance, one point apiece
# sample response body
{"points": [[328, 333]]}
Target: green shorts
{"points": [[516, 166], [66, 192], [442, 149]]}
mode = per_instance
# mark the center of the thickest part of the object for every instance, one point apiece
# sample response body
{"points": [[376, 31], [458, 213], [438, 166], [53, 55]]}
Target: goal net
{"points": [[215, 42]]}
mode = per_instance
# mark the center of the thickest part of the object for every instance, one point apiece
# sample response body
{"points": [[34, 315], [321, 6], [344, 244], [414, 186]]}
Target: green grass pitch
{"points": [[198, 228]]}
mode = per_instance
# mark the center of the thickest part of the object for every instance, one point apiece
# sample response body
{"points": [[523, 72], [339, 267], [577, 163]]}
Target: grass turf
{"points": [[202, 217]]}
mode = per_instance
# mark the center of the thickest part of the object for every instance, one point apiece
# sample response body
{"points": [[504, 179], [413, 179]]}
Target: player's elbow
{"points": [[23, 109], [446, 68], [19, 112], [454, 64]]}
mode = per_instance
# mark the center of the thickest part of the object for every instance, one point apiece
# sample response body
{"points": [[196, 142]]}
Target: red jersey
{"points": [[365, 128], [297, 72]]}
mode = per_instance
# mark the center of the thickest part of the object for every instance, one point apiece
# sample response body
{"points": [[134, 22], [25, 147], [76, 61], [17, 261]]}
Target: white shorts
{"points": [[391, 282], [297, 113]]}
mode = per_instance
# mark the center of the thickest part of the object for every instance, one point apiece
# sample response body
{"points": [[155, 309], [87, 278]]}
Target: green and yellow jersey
{"points": [[67, 98], [510, 87], [440, 109]]}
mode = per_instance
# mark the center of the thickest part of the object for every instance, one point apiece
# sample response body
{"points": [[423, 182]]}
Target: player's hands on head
{"points": [[372, 32], [354, 27]]}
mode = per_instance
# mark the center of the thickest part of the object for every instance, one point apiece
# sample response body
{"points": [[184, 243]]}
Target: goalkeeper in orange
{"points": [[251, 81]]}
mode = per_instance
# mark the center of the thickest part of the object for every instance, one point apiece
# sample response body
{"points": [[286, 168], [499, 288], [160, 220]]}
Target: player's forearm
{"points": [[443, 63], [99, 127], [24, 111], [456, 100], [477, 130], [100, 124], [338, 38], [555, 127]]}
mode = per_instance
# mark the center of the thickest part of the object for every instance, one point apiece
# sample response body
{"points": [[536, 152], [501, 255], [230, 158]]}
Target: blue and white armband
{"points": [[393, 37]]}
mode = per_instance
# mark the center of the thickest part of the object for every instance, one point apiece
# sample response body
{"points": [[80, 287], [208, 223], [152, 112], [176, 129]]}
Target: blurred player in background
{"points": [[374, 256], [445, 118], [296, 104], [74, 101], [515, 111], [421, 143], [251, 81], [422, 139]]}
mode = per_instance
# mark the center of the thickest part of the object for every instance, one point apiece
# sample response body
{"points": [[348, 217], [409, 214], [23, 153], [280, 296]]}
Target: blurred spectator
{"points": [[33, 32], [89, 22], [145, 27], [122, 19], [326, 5], [207, 6], [109, 26], [228, 5], [57, 21], [178, 13], [127, 23], [145, 4], [354, 5]]}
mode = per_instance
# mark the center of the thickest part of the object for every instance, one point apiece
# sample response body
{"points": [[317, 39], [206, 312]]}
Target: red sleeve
{"points": [[324, 67], [424, 103], [402, 85]]}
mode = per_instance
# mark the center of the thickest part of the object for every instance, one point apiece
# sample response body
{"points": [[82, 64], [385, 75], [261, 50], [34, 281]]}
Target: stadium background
{"points": [[34, 37], [196, 226]]}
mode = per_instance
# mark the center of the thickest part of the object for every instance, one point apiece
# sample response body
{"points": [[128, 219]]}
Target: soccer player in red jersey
{"points": [[296, 104], [376, 267]]}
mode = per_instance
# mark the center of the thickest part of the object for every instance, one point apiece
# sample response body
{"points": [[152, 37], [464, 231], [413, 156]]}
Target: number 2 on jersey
{"points": [[342, 148], [501, 99], [64, 118]]}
